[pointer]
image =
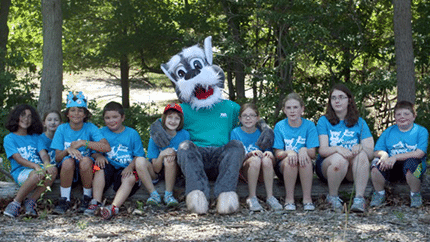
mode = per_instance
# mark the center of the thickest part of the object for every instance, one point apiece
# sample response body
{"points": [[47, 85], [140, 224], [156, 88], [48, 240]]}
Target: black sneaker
{"points": [[62, 207], [85, 202]]}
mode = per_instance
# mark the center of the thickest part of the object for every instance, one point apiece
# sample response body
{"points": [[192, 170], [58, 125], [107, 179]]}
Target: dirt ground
{"points": [[390, 223]]}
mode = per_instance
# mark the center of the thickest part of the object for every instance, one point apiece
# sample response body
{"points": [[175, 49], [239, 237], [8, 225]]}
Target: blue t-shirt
{"points": [[47, 142], [65, 135], [154, 150], [28, 146], [295, 138], [211, 126], [340, 135], [248, 140], [124, 146], [394, 141]]}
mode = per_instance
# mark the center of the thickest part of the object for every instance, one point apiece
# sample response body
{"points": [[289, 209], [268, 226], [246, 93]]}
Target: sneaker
{"points": [[308, 206], [84, 203], [62, 207], [335, 202], [93, 207], [273, 203], [253, 204], [377, 199], [170, 201], [109, 211], [358, 205], [12, 209], [154, 199], [30, 205], [290, 207], [416, 200]]}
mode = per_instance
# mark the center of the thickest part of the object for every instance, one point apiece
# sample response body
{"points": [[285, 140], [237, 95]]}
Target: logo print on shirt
{"points": [[401, 148], [337, 140], [120, 154], [289, 143], [223, 115], [29, 153]]}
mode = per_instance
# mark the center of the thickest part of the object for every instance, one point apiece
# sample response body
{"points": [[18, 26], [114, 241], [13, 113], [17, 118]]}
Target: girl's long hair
{"points": [[352, 114], [12, 123]]}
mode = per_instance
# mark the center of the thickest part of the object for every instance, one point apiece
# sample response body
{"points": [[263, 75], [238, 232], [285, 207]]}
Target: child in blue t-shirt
{"points": [[346, 146], [163, 159], [28, 157], [74, 141], [117, 167], [400, 154], [51, 120], [296, 140], [257, 163]]}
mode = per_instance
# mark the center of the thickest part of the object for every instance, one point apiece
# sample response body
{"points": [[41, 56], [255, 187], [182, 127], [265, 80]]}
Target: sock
{"points": [[65, 192], [413, 193], [88, 192], [382, 192]]}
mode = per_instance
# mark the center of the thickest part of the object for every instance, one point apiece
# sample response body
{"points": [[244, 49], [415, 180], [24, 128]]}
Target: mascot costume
{"points": [[209, 155]]}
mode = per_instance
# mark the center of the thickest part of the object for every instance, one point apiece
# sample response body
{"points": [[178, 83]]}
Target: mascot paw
{"points": [[228, 202], [265, 141], [197, 202], [159, 135]]}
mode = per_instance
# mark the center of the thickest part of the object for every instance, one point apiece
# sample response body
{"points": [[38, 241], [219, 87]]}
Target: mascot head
{"points": [[197, 81]]}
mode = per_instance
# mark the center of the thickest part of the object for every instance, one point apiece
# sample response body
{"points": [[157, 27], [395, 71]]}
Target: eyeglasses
{"points": [[249, 116], [340, 98]]}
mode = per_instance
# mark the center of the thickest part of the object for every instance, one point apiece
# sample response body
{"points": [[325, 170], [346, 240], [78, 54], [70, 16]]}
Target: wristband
{"points": [[86, 144]]}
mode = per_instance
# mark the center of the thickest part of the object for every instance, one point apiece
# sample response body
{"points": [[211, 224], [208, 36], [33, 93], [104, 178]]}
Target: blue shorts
{"points": [[21, 174], [417, 167], [113, 176]]}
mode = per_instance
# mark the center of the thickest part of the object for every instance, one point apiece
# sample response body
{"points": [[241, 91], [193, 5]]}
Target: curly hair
{"points": [[352, 114], [12, 122]]}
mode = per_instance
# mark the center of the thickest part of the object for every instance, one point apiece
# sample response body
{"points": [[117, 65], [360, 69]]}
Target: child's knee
{"points": [[68, 165], [86, 164]]}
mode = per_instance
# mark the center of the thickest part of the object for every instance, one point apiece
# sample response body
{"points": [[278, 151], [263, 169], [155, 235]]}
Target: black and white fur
{"points": [[192, 71]]}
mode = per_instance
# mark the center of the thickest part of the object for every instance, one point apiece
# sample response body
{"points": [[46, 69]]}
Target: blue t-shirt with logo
{"points": [[295, 138], [28, 146], [124, 146], [154, 150], [340, 135], [211, 126], [249, 140], [394, 141], [65, 135]]}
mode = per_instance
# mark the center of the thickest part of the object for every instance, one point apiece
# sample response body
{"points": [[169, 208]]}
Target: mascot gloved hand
{"points": [[209, 155]]}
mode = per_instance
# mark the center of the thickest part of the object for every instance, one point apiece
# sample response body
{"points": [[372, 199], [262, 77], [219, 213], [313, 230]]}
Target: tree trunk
{"points": [[404, 50], [125, 83], [4, 31], [52, 74]]}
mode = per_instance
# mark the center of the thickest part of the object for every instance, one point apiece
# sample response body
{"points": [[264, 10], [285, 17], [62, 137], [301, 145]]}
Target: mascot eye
{"points": [[196, 63], [180, 72]]}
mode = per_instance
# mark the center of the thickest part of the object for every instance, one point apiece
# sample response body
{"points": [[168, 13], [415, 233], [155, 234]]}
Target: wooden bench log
{"points": [[9, 189]]}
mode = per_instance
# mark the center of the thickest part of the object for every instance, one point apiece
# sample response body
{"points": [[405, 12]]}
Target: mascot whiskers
{"points": [[209, 155]]}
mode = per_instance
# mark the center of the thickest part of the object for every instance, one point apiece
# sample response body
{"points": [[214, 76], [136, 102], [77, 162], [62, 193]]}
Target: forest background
{"points": [[266, 48]]}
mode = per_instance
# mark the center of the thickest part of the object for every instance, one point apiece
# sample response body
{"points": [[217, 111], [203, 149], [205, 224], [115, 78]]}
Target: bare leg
{"points": [[86, 172], [170, 171], [413, 182], [334, 168], [99, 185], [66, 173], [146, 173], [251, 168], [360, 171], [268, 174], [378, 179], [48, 182], [306, 178], [124, 190]]}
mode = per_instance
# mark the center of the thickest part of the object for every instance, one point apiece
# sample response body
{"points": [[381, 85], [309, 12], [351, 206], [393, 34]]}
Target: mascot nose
{"points": [[192, 73]]}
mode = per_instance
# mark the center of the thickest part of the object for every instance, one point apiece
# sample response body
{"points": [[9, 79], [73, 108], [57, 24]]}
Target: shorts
{"points": [[113, 177], [76, 176], [417, 167], [21, 175]]}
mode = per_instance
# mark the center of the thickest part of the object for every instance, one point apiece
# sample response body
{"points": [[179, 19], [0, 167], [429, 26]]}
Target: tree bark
{"points": [[404, 50], [4, 31], [52, 74], [125, 83]]}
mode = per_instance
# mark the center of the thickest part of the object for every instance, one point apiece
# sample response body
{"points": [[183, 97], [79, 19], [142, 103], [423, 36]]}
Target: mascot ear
{"points": [[165, 69], [208, 49]]}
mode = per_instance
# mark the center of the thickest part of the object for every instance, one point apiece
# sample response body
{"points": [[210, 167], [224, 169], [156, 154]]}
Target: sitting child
{"points": [[26, 152], [163, 159], [400, 154], [117, 167]]}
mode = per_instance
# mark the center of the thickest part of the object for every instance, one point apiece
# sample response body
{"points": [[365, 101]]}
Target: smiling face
{"points": [[293, 110], [339, 101], [52, 121], [404, 118], [113, 120], [172, 121], [24, 120], [249, 118], [76, 115]]}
